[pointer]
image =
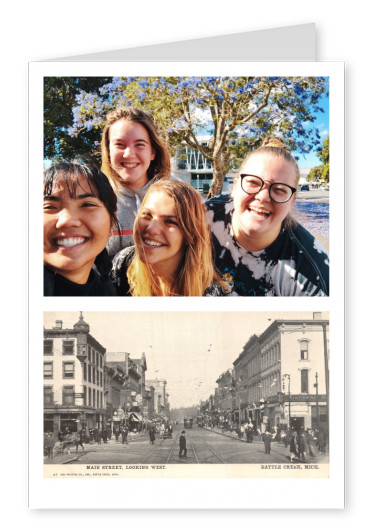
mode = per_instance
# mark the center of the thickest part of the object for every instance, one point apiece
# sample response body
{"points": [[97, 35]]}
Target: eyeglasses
{"points": [[279, 192]]}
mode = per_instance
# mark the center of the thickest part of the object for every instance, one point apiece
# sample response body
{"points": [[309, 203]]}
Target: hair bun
{"points": [[273, 141]]}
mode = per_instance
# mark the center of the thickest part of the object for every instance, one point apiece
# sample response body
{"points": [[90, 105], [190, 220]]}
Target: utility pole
{"points": [[326, 371], [317, 400], [287, 376]]}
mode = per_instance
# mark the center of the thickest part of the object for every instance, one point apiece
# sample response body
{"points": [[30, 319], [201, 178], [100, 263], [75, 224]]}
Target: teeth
{"points": [[153, 244], [133, 165], [70, 242], [260, 211]]}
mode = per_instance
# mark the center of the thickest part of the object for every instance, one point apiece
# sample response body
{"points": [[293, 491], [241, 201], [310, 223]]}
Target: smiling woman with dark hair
{"points": [[79, 212]]}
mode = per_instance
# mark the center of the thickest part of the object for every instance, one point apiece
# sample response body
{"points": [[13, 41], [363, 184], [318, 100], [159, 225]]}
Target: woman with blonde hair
{"points": [[172, 253], [134, 156], [259, 248]]}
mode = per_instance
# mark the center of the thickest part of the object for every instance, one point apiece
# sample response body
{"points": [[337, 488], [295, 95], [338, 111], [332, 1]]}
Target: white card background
{"points": [[206, 493]]}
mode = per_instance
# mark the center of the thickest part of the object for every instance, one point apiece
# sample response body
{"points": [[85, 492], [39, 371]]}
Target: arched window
{"points": [[304, 380]]}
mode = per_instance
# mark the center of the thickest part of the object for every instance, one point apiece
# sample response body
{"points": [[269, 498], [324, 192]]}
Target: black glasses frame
{"points": [[242, 175]]}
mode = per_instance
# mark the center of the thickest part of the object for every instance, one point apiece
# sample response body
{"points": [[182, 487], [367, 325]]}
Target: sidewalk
{"points": [[66, 458], [234, 435], [321, 458]]}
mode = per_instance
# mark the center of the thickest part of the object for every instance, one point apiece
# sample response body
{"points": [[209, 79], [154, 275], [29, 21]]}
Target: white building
{"points": [[73, 378], [282, 376]]}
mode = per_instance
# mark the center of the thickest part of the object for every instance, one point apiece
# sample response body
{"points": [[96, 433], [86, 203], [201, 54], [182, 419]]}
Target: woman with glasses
{"points": [[259, 248]]}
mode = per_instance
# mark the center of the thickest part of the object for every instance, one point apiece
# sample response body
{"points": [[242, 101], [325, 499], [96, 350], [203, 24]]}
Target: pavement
{"points": [[66, 458], [319, 458]]}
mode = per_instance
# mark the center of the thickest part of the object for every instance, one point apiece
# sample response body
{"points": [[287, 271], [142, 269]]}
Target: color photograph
{"points": [[186, 186]]}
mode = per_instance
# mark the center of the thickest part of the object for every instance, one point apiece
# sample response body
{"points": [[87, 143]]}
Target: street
{"points": [[311, 209], [204, 447]]}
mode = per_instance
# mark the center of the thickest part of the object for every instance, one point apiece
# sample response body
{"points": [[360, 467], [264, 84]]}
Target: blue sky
{"points": [[322, 123]]}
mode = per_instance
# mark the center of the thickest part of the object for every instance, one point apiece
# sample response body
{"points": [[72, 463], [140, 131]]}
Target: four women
{"points": [[162, 236]]}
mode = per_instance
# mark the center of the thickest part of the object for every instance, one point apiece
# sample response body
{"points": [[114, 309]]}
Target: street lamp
{"points": [[284, 377]]}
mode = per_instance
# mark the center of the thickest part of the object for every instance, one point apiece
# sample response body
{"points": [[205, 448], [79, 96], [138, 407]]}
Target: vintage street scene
{"points": [[179, 388]]}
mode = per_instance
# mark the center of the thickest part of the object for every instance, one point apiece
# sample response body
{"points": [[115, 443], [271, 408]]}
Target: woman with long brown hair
{"points": [[172, 253], [134, 156]]}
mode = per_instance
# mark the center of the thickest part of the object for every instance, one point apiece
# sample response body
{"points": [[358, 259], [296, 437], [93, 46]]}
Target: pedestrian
{"points": [[80, 440], [152, 434], [50, 443], [60, 436], [294, 446], [182, 445], [311, 443], [321, 441], [97, 435], [104, 436], [302, 445], [267, 439], [249, 432], [124, 434], [259, 247]]}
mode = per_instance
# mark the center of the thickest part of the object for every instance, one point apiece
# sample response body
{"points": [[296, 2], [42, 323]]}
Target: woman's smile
{"points": [[76, 230], [159, 239], [257, 219]]}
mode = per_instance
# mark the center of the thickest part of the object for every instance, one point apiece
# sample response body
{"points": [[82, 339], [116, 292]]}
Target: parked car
{"points": [[304, 187], [324, 187]]}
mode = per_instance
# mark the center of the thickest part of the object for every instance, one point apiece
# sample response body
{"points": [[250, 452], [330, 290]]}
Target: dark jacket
{"points": [[98, 285]]}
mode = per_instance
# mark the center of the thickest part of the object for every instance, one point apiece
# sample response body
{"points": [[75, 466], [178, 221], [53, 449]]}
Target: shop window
{"points": [[85, 395], [48, 396], [68, 369], [304, 381], [48, 347], [68, 347], [48, 371], [68, 396]]}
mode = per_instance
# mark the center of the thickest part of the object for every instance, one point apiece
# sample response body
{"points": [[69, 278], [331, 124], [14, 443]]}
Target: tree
{"points": [[59, 98], [321, 172], [235, 111]]}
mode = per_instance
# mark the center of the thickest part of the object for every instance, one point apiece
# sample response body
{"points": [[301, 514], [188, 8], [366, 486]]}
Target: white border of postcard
{"points": [[187, 493]]}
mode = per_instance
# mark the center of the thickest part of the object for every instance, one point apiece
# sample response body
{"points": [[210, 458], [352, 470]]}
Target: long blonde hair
{"points": [[196, 272], [160, 167]]}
